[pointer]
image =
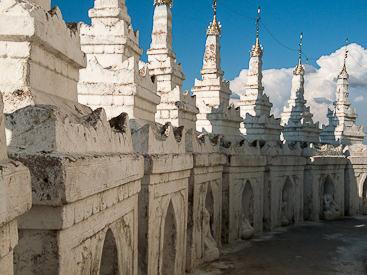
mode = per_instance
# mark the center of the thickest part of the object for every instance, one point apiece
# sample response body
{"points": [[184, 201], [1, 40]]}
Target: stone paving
{"points": [[338, 247]]}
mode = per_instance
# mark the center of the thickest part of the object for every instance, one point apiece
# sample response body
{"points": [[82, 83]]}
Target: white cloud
{"points": [[320, 84], [360, 98]]}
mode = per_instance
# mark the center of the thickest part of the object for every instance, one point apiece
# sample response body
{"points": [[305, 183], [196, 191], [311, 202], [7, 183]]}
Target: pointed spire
{"points": [[214, 27], [344, 73], [300, 69], [257, 49], [163, 2]]}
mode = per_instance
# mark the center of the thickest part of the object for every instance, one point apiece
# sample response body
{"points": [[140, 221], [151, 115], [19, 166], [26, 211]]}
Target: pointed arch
{"points": [[248, 202], [288, 198], [169, 242], [209, 205], [328, 186], [364, 197], [364, 188], [109, 259]]}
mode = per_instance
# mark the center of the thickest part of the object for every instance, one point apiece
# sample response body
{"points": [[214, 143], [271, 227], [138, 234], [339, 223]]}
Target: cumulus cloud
{"points": [[320, 83], [360, 98]]}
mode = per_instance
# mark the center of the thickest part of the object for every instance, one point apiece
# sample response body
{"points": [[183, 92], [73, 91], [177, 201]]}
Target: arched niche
{"points": [[209, 205], [364, 196], [169, 242], [109, 260], [328, 186], [287, 205], [248, 203]]}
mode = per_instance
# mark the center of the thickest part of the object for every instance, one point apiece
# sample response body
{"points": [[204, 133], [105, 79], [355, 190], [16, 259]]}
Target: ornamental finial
{"points": [[257, 50], [344, 73], [300, 69], [214, 27], [163, 2]]}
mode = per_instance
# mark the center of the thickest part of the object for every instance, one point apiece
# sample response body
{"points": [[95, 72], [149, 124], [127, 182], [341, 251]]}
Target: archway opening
{"points": [[169, 242], [364, 197], [329, 208], [109, 261], [209, 205], [287, 204], [328, 186], [248, 203]]}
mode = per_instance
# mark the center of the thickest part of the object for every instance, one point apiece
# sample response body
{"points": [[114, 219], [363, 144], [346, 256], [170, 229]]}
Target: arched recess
{"points": [[364, 197], [248, 203], [209, 205], [109, 260], [288, 200], [329, 186], [169, 242]]}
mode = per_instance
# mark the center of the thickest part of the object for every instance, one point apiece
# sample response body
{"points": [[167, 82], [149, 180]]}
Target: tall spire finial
{"points": [[163, 2], [257, 22], [257, 49], [300, 69], [214, 27], [344, 73]]}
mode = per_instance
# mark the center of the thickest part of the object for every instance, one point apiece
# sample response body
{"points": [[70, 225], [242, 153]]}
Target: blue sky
{"points": [[325, 25]]}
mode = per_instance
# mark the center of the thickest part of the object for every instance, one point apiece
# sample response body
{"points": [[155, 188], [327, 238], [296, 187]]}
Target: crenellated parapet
{"points": [[115, 78], [222, 119], [262, 127], [326, 150], [177, 108], [279, 148], [240, 148], [159, 139], [114, 88], [201, 143], [44, 128]]}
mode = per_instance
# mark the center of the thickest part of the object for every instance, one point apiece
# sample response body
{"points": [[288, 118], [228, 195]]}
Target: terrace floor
{"points": [[325, 248]]}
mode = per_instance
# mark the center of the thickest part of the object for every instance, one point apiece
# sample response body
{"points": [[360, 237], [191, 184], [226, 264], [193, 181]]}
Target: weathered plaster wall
{"points": [[15, 199], [205, 194], [163, 200]]}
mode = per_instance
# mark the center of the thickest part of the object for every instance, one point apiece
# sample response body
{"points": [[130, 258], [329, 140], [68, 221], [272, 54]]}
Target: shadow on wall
{"points": [[248, 203], [287, 203], [109, 261], [169, 242], [209, 205]]}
